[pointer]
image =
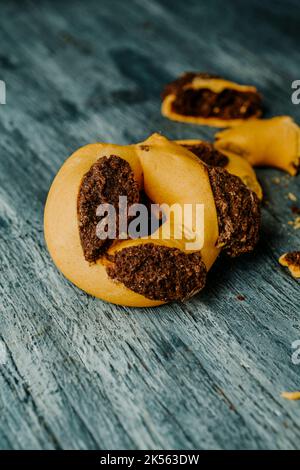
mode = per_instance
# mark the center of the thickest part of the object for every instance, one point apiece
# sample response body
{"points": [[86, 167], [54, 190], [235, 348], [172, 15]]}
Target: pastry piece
{"points": [[264, 142], [291, 395], [205, 99], [292, 261]]}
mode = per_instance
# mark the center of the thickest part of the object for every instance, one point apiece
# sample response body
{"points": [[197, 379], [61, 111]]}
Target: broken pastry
{"points": [[270, 142], [292, 261], [145, 271], [205, 99]]}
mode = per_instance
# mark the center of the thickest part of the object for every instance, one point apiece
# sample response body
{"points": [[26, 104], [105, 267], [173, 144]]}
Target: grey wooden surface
{"points": [[82, 374]]}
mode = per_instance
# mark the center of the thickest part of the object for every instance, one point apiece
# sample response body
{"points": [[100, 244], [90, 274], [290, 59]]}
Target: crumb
{"points": [[246, 366], [292, 197], [291, 395], [295, 210], [276, 180], [292, 261], [295, 223], [241, 297]]}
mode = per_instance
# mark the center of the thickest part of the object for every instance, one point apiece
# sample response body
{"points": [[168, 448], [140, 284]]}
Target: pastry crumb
{"points": [[276, 180], [292, 197], [241, 297], [295, 210], [292, 261], [295, 223], [291, 395]]}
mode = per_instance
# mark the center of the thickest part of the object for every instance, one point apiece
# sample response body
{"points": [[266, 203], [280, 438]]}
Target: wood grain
{"points": [[82, 374]]}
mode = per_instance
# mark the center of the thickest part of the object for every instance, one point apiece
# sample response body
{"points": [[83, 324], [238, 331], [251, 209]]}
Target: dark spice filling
{"points": [[238, 211], [293, 259], [295, 210], [176, 86], [207, 153], [159, 272], [109, 178], [228, 104]]}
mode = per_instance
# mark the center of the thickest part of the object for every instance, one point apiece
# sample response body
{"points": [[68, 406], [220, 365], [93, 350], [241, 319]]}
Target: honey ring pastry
{"points": [[149, 270], [265, 142], [210, 100]]}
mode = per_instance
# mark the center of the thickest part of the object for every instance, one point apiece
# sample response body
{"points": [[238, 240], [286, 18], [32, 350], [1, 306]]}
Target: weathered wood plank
{"points": [[83, 374]]}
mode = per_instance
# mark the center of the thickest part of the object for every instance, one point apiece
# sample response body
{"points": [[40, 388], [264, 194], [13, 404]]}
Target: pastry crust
{"points": [[270, 142], [214, 84]]}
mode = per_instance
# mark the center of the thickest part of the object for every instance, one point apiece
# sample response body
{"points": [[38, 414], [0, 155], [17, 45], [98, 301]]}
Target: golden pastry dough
{"points": [[264, 142]]}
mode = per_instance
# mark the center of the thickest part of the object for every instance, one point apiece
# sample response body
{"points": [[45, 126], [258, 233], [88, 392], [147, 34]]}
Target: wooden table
{"points": [[77, 373]]}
